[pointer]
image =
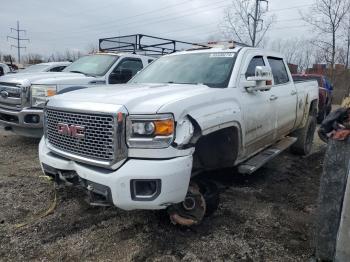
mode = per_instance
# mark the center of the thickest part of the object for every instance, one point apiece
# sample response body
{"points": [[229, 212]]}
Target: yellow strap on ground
{"points": [[44, 214]]}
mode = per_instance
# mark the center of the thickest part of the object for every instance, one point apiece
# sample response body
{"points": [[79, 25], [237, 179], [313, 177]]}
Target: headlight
{"points": [[40, 94], [150, 131]]}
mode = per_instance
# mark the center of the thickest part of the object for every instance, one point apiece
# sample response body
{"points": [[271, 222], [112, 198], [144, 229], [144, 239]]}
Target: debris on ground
{"points": [[336, 125]]}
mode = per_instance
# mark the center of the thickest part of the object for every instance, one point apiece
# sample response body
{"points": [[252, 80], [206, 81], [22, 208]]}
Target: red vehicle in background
{"points": [[325, 93]]}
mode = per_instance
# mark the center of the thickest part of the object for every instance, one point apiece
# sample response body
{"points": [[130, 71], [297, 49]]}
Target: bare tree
{"points": [[239, 23], [326, 17], [92, 48], [346, 29], [32, 58], [9, 59], [296, 51]]}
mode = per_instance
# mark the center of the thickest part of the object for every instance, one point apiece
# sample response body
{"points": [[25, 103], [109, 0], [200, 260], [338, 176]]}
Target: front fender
{"points": [[217, 116]]}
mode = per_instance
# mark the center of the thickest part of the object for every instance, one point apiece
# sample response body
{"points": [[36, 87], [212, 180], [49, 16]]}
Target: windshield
{"points": [[95, 65], [211, 69], [34, 69]]}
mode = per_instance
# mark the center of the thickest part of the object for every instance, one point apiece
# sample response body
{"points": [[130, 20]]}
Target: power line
{"points": [[287, 27], [164, 18], [159, 19], [288, 8], [129, 23], [120, 22], [18, 39]]}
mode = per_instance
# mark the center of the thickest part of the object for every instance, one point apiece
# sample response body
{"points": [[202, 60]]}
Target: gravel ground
{"points": [[267, 216]]}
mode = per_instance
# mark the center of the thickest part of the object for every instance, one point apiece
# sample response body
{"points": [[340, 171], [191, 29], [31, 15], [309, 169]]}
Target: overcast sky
{"points": [[75, 24]]}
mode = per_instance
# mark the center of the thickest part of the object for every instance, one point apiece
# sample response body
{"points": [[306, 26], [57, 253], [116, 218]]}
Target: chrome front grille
{"points": [[10, 96], [100, 134]]}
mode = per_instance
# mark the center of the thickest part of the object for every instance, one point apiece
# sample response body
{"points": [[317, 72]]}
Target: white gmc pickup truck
{"points": [[143, 145], [23, 95]]}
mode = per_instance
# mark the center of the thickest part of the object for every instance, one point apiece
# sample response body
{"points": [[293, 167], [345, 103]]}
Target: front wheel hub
{"points": [[191, 211], [189, 203]]}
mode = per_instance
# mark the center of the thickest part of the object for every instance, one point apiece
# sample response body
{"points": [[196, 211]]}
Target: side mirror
{"points": [[262, 80]]}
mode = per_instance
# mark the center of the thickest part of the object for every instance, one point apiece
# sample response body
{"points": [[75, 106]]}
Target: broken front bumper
{"points": [[171, 178]]}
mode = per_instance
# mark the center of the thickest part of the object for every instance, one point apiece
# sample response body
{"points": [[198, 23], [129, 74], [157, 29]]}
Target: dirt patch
{"points": [[267, 216]]}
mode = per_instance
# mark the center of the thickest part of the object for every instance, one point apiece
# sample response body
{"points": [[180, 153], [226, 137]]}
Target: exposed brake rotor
{"points": [[191, 211]]}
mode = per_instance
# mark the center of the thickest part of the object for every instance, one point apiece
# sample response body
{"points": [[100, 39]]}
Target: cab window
{"points": [[279, 71], [125, 70], [256, 61], [57, 69]]}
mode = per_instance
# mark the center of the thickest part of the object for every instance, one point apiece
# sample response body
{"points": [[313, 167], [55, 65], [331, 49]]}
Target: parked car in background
{"points": [[325, 93], [4, 69], [46, 67], [13, 67], [21, 109], [142, 145], [118, 60]]}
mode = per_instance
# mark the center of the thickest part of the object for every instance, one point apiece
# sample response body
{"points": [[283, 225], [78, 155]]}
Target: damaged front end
{"points": [[98, 195]]}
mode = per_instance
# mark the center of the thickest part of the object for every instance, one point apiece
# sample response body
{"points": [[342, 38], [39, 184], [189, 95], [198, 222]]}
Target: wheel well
{"points": [[217, 150]]}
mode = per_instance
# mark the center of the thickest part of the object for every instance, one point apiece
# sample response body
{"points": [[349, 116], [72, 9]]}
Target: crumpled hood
{"points": [[40, 78], [137, 98]]}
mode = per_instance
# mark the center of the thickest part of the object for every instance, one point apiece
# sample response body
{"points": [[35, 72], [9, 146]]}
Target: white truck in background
{"points": [[143, 145], [23, 95], [46, 67], [4, 69]]}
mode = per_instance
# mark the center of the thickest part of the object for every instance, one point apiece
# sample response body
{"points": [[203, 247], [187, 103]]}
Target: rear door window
{"points": [[279, 71]]}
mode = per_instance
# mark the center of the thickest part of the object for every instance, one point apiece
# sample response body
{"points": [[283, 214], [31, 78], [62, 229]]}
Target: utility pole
{"points": [[18, 39], [256, 19]]}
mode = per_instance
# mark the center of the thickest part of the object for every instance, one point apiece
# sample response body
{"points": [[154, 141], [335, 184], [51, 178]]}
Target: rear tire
{"points": [[305, 137]]}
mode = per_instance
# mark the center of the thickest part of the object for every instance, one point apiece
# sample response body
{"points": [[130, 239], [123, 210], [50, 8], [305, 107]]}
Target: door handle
{"points": [[293, 93], [273, 97]]}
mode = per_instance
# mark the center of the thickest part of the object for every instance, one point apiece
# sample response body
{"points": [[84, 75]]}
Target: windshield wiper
{"points": [[184, 83], [80, 72], [172, 82]]}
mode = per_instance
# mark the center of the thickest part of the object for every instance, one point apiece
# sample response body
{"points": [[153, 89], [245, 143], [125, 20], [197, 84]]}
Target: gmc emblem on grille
{"points": [[71, 130]]}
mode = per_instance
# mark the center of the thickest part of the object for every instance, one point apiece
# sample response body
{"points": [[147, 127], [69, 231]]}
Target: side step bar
{"points": [[257, 161]]}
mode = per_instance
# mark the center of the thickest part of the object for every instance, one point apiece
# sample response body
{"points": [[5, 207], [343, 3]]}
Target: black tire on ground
{"points": [[211, 195], [305, 137]]}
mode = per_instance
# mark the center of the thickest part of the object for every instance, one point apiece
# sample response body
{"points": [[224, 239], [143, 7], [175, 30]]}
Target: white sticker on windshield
{"points": [[230, 54]]}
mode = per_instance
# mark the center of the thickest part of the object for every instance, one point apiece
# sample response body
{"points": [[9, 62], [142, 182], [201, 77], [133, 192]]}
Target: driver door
{"points": [[258, 113]]}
